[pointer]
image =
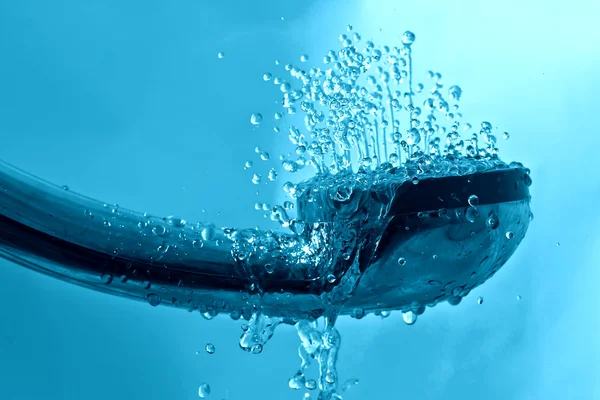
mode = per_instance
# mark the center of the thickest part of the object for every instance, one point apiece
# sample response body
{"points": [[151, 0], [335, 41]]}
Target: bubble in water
{"points": [[204, 391], [197, 243], [221, 55], [256, 178], [492, 221], [506, 135], [264, 155], [408, 38], [208, 233], [331, 278], [159, 230], [256, 119], [153, 299], [210, 348], [267, 76], [401, 261], [304, 58], [473, 200], [510, 235], [480, 300], [106, 278], [248, 164], [519, 297], [409, 317]]}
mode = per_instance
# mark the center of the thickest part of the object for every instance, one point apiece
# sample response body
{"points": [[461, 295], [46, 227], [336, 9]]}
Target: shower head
{"points": [[434, 244]]}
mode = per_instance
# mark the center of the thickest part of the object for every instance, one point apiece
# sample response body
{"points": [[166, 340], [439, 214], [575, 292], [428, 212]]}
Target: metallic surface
{"points": [[82, 241]]}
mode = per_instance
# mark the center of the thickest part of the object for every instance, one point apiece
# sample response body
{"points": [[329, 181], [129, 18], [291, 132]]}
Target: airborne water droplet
{"points": [[408, 38], [256, 119], [210, 348], [204, 391], [480, 300]]}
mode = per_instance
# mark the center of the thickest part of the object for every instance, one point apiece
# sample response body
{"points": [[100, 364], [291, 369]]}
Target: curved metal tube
{"points": [[163, 261]]}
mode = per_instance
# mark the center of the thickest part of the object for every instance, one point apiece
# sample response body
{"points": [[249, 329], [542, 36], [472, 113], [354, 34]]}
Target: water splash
{"points": [[365, 124], [367, 130]]}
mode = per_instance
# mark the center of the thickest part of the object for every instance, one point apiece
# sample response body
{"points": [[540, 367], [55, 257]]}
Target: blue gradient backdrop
{"points": [[126, 101]]}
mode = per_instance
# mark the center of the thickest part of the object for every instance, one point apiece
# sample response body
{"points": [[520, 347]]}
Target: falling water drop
{"points": [[210, 348], [204, 391], [408, 38], [256, 119]]}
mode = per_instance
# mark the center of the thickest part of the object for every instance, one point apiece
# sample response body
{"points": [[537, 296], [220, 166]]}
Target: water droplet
{"points": [[257, 348], [256, 179], [311, 384], [401, 261], [176, 221], [198, 244], [408, 38], [210, 348], [454, 300], [204, 391], [267, 76], [272, 174], [409, 317], [415, 180], [454, 93], [331, 278], [510, 235], [208, 233], [472, 214], [153, 299], [221, 55], [330, 377], [480, 300], [519, 297], [65, 187], [159, 230], [255, 119], [304, 58], [163, 248], [107, 279], [473, 200], [491, 222]]}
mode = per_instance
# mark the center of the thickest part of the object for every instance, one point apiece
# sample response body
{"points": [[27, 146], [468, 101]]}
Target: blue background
{"points": [[126, 101]]}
